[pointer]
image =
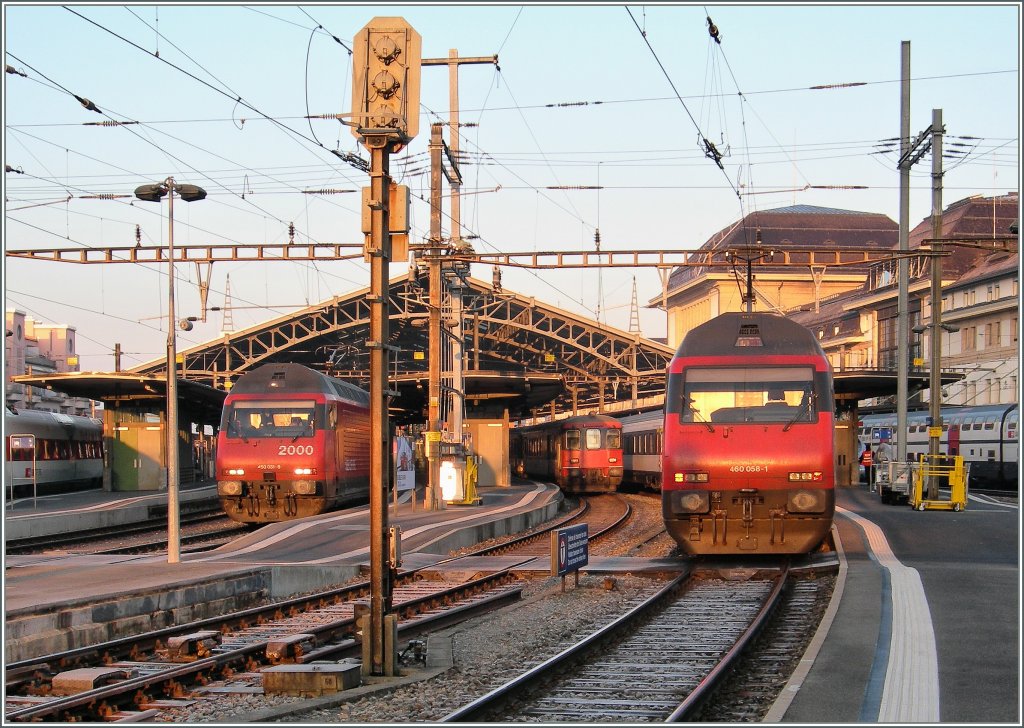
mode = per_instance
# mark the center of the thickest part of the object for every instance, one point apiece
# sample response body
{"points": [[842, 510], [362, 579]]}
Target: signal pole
{"points": [[385, 98]]}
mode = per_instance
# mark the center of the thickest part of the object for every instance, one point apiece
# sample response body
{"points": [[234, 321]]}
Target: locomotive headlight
{"points": [[305, 471], [236, 471], [809, 477], [229, 487], [806, 501], [691, 477], [304, 487], [690, 501]]}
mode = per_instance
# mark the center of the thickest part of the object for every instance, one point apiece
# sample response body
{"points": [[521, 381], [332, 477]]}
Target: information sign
{"points": [[568, 549]]}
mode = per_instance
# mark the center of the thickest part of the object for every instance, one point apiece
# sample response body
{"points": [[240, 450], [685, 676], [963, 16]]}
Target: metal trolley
{"points": [[953, 475]]}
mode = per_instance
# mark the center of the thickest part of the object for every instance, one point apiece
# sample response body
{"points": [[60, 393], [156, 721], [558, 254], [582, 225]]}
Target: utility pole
{"points": [[437, 291], [433, 435], [453, 62], [935, 382], [903, 272]]}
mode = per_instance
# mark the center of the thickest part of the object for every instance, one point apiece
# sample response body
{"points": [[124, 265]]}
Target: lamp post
{"points": [[154, 193]]}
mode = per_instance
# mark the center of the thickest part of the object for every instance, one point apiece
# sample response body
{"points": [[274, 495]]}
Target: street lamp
{"points": [[155, 193]]}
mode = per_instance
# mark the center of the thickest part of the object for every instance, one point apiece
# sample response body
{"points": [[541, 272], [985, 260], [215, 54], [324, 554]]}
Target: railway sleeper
{"points": [[290, 648], [193, 646], [72, 682]]}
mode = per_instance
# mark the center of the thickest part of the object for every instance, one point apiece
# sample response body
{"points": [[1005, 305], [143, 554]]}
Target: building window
{"points": [[969, 339]]}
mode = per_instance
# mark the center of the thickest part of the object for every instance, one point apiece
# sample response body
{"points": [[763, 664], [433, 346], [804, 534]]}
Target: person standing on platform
{"points": [[867, 461]]}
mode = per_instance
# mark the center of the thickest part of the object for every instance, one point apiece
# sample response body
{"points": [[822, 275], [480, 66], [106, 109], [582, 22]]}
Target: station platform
{"points": [[923, 626], [85, 510]]}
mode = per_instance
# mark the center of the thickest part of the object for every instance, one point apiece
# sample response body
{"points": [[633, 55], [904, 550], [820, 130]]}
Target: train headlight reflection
{"points": [[304, 487], [806, 501], [691, 477], [690, 501], [229, 487], [814, 477]]}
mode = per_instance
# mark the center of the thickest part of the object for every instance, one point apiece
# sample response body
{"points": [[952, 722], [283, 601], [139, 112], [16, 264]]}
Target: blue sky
{"points": [[634, 137]]}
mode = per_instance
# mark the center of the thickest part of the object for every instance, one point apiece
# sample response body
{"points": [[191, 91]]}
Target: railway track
{"points": [[130, 678], [603, 514], [157, 521], [135, 678], [659, 662]]}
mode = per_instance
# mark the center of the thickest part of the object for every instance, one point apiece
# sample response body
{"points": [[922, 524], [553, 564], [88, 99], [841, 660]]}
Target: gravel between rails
{"points": [[470, 659]]}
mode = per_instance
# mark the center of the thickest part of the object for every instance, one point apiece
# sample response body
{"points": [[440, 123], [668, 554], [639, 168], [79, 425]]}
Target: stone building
{"points": [[853, 311], [31, 347], [694, 295]]}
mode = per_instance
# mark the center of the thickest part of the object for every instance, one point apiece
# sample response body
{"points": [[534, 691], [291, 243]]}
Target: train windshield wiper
{"points": [[697, 417], [800, 411]]}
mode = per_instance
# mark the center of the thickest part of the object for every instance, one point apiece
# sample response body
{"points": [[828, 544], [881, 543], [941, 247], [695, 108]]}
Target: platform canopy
{"points": [[857, 384], [120, 389]]}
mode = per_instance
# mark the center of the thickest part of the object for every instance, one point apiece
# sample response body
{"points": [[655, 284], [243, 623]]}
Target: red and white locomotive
{"points": [[293, 442], [582, 454], [748, 463]]}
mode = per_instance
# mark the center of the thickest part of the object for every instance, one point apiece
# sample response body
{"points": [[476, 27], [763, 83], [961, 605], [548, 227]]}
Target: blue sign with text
{"points": [[569, 549]]}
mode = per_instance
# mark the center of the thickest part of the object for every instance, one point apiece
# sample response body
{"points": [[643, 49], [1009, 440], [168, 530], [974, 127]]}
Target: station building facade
{"points": [[853, 310], [31, 347]]}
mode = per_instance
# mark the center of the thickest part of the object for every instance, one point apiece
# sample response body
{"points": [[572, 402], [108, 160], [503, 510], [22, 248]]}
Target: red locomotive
{"points": [[581, 454], [292, 443], [748, 463]]}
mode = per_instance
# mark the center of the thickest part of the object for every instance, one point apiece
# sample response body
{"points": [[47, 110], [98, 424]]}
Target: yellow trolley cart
{"points": [[951, 472]]}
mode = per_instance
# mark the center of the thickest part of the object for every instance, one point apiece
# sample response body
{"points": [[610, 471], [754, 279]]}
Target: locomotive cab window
{"points": [[755, 395], [271, 418], [613, 439], [573, 440]]}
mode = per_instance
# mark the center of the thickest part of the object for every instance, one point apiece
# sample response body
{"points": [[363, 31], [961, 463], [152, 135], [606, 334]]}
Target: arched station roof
{"points": [[510, 338]]}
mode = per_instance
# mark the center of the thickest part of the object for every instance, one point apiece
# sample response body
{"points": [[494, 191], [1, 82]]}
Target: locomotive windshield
{"points": [[270, 418], [738, 394], [592, 438]]}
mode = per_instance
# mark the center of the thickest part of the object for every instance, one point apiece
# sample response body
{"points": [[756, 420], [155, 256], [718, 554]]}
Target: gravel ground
{"points": [[482, 653], [485, 653]]}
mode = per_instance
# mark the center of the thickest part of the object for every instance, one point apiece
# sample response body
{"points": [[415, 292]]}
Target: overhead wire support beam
{"points": [[196, 253], [551, 259], [1008, 244], [673, 258]]}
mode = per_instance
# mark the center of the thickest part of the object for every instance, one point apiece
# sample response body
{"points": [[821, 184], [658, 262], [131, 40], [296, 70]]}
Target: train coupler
{"points": [[780, 515], [714, 526]]}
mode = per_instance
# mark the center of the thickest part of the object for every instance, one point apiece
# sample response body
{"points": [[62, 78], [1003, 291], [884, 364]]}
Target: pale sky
{"points": [[580, 100]]}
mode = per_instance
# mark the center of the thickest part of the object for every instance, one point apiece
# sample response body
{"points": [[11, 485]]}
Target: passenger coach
{"points": [[67, 451], [581, 454]]}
